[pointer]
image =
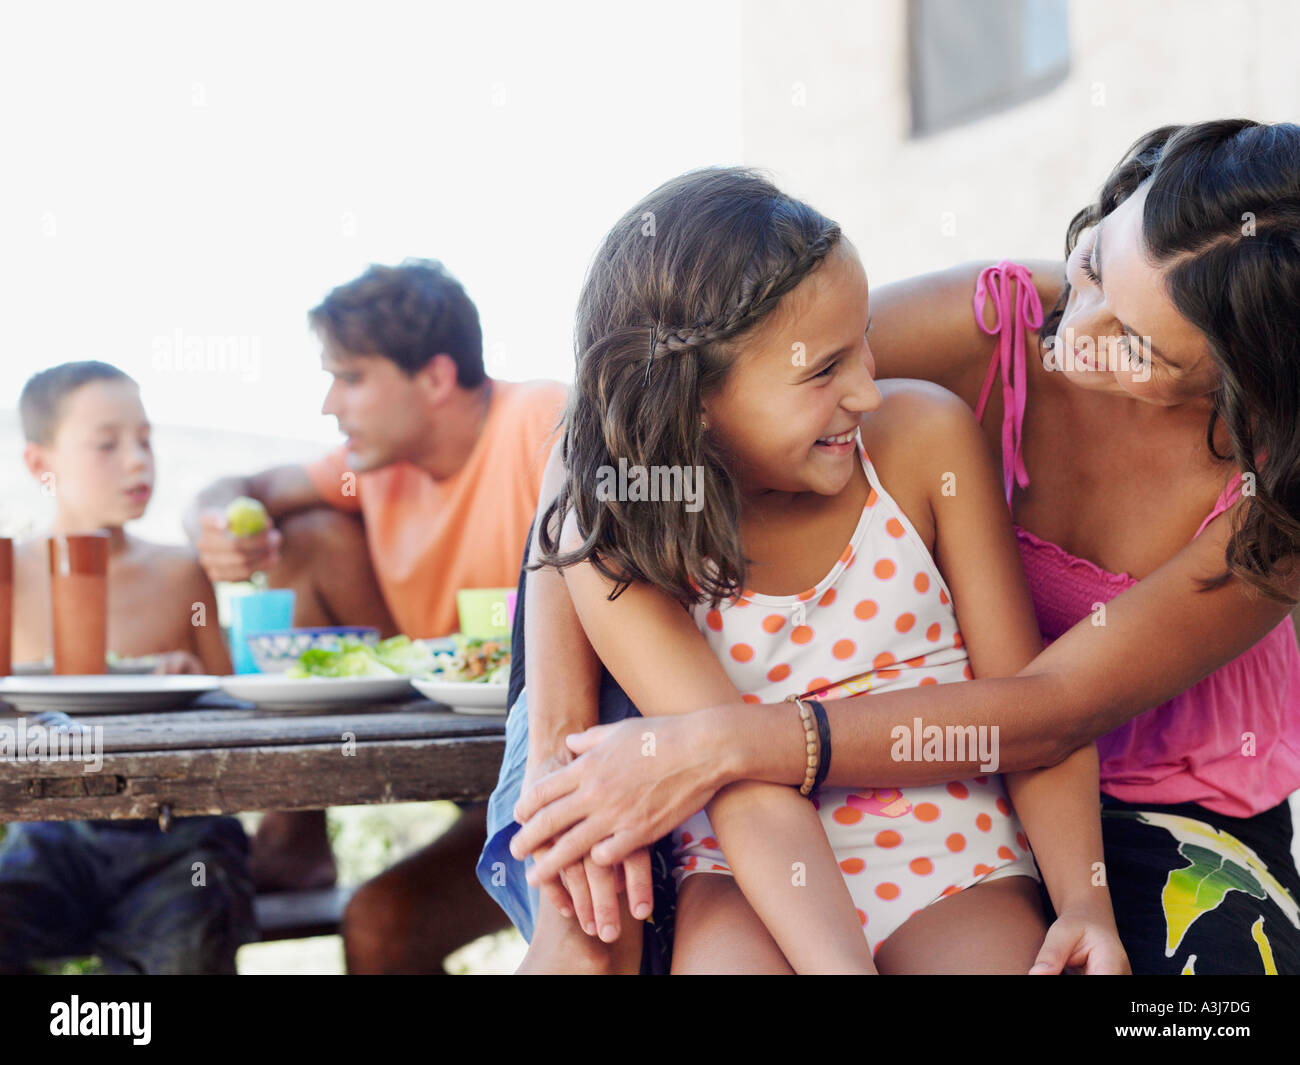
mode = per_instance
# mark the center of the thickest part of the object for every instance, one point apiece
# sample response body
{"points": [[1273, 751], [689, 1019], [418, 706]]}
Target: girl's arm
{"points": [[562, 678], [562, 673], [1062, 817], [1160, 637], [771, 835], [205, 630]]}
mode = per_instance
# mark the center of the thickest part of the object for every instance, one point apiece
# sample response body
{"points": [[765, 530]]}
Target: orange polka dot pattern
{"points": [[875, 627], [885, 625], [898, 851]]}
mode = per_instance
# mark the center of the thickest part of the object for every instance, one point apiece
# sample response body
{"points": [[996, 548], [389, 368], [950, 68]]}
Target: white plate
{"points": [[104, 694], [466, 697], [277, 690], [123, 667]]}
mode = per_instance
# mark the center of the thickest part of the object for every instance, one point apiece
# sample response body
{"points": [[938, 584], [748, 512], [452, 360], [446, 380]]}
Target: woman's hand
{"points": [[633, 783], [1083, 940], [554, 887], [588, 890]]}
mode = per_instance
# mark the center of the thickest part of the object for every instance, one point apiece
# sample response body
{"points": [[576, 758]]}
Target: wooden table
{"points": [[221, 757]]}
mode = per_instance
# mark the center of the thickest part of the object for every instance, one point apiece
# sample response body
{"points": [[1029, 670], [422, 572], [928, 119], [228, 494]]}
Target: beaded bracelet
{"points": [[823, 743], [810, 732]]}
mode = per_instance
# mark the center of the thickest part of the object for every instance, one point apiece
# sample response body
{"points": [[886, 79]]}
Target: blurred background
{"points": [[184, 182], [181, 183]]}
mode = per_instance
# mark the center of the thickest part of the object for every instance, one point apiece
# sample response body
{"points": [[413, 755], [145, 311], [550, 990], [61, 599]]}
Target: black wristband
{"points": [[823, 743]]}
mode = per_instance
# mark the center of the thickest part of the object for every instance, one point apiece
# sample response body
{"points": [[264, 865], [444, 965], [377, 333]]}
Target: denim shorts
{"points": [[502, 876]]}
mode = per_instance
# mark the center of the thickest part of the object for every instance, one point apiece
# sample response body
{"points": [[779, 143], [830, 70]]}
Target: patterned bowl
{"points": [[275, 652]]}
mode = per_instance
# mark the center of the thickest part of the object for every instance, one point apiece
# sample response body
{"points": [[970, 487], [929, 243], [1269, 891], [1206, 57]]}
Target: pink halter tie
{"points": [[1014, 380]]}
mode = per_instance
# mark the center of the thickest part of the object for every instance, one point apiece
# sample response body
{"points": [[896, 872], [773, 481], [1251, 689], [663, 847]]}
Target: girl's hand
{"points": [[595, 890], [588, 890], [1082, 940], [635, 781]]}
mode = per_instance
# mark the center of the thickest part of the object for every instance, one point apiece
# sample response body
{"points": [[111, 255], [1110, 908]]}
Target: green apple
{"points": [[246, 517]]}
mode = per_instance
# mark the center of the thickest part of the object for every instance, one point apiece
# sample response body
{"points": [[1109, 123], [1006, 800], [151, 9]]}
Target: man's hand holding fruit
{"points": [[238, 542]]}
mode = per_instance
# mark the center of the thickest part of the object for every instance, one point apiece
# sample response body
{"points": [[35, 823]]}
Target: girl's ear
{"points": [[34, 459]]}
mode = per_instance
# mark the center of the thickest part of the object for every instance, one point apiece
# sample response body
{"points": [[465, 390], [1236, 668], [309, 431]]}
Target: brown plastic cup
{"points": [[6, 606], [79, 602]]}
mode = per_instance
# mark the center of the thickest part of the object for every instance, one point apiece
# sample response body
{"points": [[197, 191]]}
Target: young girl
{"points": [[722, 348]]}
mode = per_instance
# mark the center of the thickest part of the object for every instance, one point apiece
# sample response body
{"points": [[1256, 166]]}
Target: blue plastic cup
{"points": [[265, 611]]}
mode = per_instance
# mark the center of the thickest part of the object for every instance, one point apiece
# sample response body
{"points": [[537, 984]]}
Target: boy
{"points": [[120, 889]]}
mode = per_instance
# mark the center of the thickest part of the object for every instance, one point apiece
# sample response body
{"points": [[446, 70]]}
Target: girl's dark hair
{"points": [[685, 274], [1222, 216]]}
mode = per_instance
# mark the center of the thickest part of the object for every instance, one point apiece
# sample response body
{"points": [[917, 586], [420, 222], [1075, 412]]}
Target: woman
{"points": [[1158, 534]]}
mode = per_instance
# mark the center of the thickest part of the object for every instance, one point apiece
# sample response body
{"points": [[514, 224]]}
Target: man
{"points": [[432, 492]]}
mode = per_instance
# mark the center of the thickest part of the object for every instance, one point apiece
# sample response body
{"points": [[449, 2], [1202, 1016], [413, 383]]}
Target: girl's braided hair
{"points": [[677, 284]]}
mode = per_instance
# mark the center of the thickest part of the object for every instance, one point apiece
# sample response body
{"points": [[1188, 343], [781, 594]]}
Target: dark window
{"points": [[970, 58]]}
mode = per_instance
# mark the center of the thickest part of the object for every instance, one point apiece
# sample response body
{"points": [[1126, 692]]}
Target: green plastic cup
{"points": [[483, 612]]}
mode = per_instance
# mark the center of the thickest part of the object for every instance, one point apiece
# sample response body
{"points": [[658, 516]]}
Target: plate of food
{"points": [[473, 678], [349, 671], [281, 691], [465, 697], [280, 651], [104, 693]]}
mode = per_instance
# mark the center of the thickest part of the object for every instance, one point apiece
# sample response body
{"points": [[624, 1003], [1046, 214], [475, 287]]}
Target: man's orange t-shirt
{"points": [[428, 539]]}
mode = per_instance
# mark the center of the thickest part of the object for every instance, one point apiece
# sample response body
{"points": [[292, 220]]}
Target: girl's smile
{"points": [[774, 401], [843, 444]]}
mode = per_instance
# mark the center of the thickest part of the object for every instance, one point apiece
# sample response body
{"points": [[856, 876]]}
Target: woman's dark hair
{"points": [[690, 270], [407, 313], [1222, 217]]}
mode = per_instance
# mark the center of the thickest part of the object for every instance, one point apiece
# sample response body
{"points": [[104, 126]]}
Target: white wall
{"points": [[1007, 184]]}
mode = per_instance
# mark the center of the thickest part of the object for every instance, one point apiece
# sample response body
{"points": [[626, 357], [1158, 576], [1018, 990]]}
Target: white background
{"points": [[215, 169]]}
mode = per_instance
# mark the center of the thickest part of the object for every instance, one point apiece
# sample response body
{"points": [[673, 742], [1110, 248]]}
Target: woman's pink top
{"points": [[1189, 749]]}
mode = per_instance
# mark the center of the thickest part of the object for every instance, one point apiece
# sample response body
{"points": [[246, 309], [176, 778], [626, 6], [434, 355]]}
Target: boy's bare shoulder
{"points": [[30, 552], [174, 565], [31, 574]]}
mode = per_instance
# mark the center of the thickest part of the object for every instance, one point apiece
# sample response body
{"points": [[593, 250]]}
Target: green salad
{"points": [[483, 661]]}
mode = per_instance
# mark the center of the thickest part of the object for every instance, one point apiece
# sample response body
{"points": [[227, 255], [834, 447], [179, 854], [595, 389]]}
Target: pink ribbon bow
{"points": [[1028, 314]]}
